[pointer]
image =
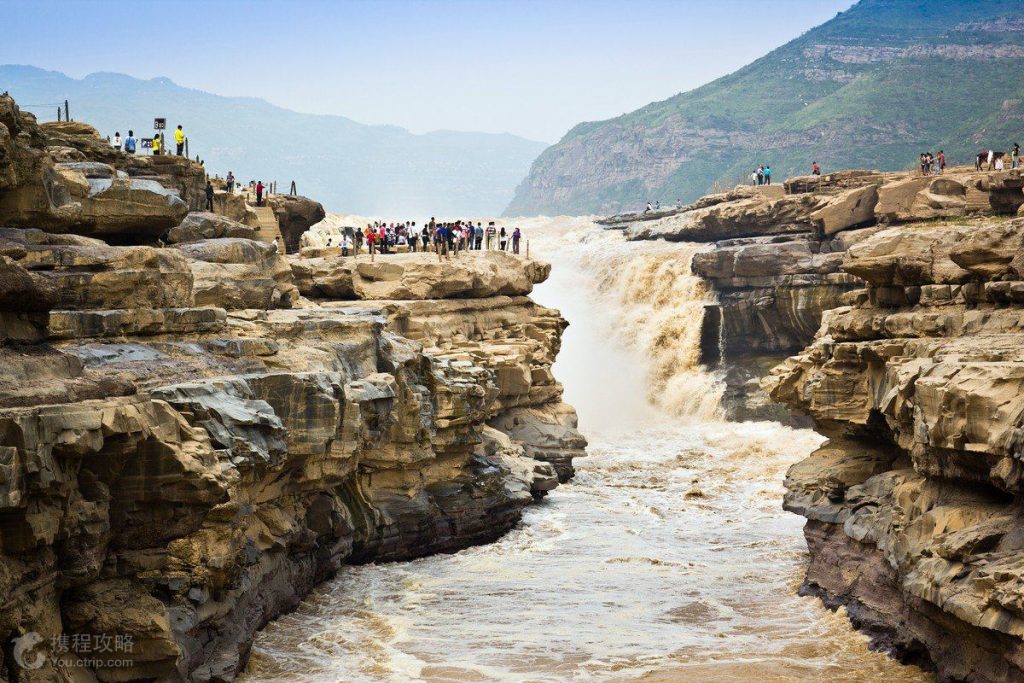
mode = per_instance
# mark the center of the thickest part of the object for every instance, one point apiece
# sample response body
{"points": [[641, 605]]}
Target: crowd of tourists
{"points": [[444, 238], [130, 144]]}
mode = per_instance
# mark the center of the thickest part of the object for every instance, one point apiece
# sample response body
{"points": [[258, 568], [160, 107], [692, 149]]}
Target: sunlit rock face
{"points": [[188, 445], [913, 520]]}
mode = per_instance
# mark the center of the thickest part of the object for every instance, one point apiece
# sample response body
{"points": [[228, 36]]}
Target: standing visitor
{"points": [[753, 181], [502, 239], [489, 236], [179, 140], [229, 182], [999, 164], [129, 143], [371, 238], [767, 175], [942, 161], [425, 237], [117, 141], [346, 245], [209, 196], [259, 193], [760, 175], [156, 145], [516, 235], [478, 235], [815, 169]]}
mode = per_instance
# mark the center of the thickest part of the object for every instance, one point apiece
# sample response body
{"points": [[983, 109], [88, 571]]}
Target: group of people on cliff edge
{"points": [[444, 238], [130, 144]]}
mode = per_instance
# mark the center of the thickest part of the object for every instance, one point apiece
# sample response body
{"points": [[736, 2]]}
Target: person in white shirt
{"points": [[117, 141]]}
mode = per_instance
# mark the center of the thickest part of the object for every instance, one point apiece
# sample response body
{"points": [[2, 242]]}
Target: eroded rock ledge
{"points": [[914, 519], [192, 437]]}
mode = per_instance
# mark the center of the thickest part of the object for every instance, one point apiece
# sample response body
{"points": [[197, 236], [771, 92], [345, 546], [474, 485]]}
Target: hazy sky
{"points": [[530, 67]]}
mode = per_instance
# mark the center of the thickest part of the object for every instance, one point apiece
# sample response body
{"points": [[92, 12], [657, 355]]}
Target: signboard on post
{"points": [[146, 143], [159, 124]]}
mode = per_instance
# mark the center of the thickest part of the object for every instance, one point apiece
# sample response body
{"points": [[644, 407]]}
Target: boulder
{"points": [[748, 217], [202, 225], [849, 209], [233, 206], [235, 273], [992, 251], [901, 257], [295, 215], [832, 182], [896, 199]]}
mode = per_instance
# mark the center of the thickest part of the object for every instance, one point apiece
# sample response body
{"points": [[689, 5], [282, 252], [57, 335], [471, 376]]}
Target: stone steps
{"points": [[269, 230]]}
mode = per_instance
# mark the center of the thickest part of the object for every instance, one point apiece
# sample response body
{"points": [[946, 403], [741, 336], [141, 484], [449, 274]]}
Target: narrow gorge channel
{"points": [[667, 558]]}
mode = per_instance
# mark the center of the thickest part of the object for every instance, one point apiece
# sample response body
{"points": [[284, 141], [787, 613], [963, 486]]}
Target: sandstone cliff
{"points": [[192, 437], [913, 519]]}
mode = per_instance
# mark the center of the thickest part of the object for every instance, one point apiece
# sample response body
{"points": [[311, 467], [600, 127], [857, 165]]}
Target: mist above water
{"points": [[667, 558]]}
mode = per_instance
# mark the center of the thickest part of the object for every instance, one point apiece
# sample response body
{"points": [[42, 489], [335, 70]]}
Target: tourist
{"points": [[156, 145], [371, 239], [767, 175], [478, 235], [229, 182], [346, 245], [647, 208], [516, 235], [815, 169], [425, 237], [657, 205], [754, 177], [760, 175], [259, 193], [117, 141], [999, 163], [489, 234], [942, 161], [179, 140], [502, 239], [129, 143], [209, 196]]}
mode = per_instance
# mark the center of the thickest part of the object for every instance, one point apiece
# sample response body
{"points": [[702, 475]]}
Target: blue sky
{"points": [[530, 67]]}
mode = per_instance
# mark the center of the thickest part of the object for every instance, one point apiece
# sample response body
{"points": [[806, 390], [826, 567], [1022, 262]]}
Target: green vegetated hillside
{"points": [[873, 87], [349, 166]]}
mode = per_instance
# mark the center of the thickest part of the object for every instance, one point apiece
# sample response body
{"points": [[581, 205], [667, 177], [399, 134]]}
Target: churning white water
{"points": [[667, 558]]}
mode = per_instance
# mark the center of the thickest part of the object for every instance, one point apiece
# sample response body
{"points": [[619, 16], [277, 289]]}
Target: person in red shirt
{"points": [[371, 238], [259, 193], [815, 169]]}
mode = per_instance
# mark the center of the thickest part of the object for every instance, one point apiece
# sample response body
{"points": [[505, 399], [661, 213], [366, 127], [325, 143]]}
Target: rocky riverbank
{"points": [[902, 295], [193, 436]]}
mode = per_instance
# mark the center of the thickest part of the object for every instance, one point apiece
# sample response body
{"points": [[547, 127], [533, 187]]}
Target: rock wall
{"points": [[188, 445], [914, 520]]}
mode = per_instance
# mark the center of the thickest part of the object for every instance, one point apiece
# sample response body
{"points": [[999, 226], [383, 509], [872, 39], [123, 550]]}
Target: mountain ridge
{"points": [[842, 93], [373, 169]]}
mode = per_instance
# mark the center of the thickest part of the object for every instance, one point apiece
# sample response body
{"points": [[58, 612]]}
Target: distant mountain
{"points": [[873, 87], [349, 166]]}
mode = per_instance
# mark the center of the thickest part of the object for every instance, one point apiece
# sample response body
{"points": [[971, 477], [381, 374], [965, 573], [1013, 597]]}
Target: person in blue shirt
{"points": [[129, 143], [767, 175]]}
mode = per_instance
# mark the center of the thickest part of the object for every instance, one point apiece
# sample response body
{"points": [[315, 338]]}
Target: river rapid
{"points": [[667, 558]]}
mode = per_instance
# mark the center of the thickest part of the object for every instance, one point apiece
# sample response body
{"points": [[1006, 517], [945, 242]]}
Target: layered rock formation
{"points": [[914, 520], [188, 445]]}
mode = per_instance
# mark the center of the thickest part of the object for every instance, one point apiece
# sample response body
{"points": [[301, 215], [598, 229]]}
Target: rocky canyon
{"points": [[196, 429]]}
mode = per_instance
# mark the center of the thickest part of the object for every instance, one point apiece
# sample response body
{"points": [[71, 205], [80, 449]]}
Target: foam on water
{"points": [[667, 558]]}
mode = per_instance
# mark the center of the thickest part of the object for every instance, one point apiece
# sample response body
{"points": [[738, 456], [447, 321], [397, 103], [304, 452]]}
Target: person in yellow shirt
{"points": [[156, 145], [179, 140]]}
